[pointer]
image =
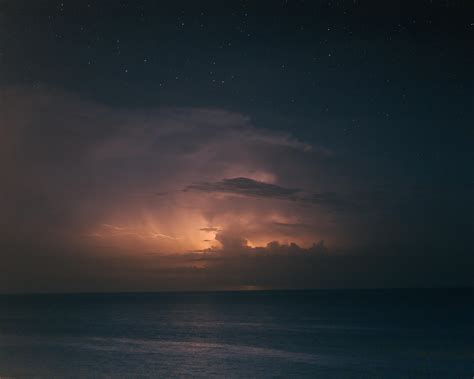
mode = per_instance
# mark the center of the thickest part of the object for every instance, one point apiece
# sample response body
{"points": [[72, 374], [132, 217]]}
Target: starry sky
{"points": [[213, 145]]}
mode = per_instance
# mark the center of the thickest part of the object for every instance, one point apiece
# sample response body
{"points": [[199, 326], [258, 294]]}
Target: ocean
{"points": [[425, 333]]}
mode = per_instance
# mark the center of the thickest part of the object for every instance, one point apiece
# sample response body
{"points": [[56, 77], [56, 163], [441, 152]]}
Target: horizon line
{"points": [[336, 289]]}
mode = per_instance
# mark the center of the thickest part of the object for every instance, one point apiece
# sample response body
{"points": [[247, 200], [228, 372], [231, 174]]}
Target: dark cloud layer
{"points": [[274, 266], [247, 187], [348, 201]]}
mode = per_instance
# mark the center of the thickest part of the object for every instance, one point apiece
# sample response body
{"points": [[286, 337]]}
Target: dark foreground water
{"points": [[322, 334]]}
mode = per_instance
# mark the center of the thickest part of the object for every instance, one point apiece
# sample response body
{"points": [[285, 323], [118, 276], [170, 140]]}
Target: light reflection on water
{"points": [[330, 334]]}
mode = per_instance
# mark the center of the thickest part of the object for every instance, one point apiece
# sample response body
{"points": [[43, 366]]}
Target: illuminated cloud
{"points": [[209, 229], [185, 198], [96, 173]]}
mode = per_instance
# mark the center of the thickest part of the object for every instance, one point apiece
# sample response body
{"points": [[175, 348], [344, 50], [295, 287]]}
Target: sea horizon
{"points": [[190, 291]]}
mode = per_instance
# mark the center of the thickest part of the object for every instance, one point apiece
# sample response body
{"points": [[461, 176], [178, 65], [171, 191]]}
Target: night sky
{"points": [[150, 145]]}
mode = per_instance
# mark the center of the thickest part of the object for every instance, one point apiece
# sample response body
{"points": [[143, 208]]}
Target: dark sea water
{"points": [[321, 334]]}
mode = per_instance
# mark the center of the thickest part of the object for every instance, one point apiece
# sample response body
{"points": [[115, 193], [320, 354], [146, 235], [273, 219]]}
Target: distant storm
{"points": [[304, 145]]}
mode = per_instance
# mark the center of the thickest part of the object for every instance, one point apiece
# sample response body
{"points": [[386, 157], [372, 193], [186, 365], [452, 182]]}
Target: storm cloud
{"points": [[239, 205]]}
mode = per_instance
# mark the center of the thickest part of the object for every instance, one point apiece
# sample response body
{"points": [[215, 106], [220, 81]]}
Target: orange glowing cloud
{"points": [[163, 181]]}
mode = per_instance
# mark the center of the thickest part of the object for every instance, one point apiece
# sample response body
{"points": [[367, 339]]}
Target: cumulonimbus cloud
{"points": [[78, 166], [79, 200]]}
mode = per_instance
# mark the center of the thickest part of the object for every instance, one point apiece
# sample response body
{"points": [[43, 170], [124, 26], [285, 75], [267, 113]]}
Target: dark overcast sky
{"points": [[201, 131]]}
